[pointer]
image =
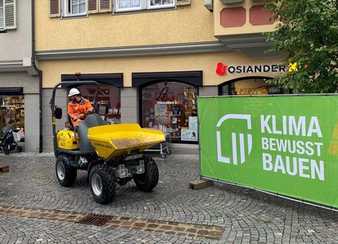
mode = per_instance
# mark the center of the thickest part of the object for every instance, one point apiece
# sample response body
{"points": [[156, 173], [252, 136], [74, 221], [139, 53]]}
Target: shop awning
{"points": [[194, 78], [11, 91], [114, 79]]}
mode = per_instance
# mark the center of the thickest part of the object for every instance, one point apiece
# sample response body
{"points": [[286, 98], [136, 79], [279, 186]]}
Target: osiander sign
{"points": [[286, 145], [224, 69]]}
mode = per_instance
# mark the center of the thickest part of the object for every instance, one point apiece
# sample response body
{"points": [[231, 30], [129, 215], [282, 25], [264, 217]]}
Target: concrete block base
{"points": [[199, 184]]}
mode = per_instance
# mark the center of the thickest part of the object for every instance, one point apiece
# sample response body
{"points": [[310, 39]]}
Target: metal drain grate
{"points": [[94, 219]]}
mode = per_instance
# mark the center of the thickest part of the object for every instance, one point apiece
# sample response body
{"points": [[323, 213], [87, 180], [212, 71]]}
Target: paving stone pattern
{"points": [[244, 216], [167, 227]]}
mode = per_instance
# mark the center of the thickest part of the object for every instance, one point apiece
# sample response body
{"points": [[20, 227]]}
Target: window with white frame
{"points": [[128, 5], [74, 7], [7, 14], [133, 5], [161, 4], [2, 15]]}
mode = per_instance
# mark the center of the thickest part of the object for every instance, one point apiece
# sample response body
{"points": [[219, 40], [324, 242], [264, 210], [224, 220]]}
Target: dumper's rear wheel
{"points": [[7, 149], [146, 182], [65, 174], [102, 184]]}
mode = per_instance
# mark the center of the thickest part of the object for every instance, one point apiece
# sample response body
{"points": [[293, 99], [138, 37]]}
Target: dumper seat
{"points": [[92, 120]]}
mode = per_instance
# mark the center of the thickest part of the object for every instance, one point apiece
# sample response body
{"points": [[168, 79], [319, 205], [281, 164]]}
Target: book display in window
{"points": [[170, 107], [12, 111]]}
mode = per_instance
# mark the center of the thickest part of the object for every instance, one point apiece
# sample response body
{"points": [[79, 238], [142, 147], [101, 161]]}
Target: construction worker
{"points": [[78, 107]]}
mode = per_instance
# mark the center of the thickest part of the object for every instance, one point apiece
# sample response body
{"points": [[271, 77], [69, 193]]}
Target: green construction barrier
{"points": [[286, 145]]}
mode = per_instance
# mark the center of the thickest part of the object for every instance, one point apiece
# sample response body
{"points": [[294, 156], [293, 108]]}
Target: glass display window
{"points": [[250, 87], [107, 100], [12, 111], [171, 107], [12, 114]]}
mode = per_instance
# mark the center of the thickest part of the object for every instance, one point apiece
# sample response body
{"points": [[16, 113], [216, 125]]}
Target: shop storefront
{"points": [[168, 101], [163, 74], [20, 108], [161, 92]]}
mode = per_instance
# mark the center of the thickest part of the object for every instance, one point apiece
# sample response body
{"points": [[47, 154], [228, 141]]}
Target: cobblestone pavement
{"points": [[244, 216]]}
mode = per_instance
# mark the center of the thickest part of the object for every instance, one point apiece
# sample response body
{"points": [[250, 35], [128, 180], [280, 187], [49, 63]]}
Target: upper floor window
{"points": [[2, 15], [128, 5], [75, 7], [68, 8], [161, 3], [132, 5], [7, 14]]}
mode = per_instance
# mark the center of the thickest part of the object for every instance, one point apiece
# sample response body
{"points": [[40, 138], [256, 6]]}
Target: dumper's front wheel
{"points": [[65, 174], [102, 185], [147, 181]]}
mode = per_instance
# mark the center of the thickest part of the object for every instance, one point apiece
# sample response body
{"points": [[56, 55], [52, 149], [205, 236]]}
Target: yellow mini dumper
{"points": [[111, 153]]}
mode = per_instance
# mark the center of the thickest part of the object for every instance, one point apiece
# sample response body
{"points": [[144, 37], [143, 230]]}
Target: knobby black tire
{"points": [[6, 150], [70, 172], [148, 181], [108, 183]]}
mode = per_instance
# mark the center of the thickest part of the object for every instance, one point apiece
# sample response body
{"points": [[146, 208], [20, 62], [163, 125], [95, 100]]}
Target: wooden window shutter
{"points": [[10, 14], [93, 6], [54, 8], [183, 2], [105, 6]]}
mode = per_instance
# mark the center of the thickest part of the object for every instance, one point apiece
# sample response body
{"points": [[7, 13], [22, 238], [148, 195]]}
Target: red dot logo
{"points": [[221, 69]]}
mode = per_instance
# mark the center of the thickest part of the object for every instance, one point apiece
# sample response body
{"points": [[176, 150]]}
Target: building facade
{"points": [[153, 58], [19, 80]]}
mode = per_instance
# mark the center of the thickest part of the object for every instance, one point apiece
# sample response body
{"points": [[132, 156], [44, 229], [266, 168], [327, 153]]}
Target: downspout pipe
{"points": [[34, 64]]}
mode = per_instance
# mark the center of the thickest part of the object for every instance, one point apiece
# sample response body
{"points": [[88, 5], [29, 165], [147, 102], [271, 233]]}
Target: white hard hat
{"points": [[73, 92]]}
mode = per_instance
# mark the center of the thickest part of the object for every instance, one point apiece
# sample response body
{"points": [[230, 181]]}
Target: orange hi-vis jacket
{"points": [[77, 111]]}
